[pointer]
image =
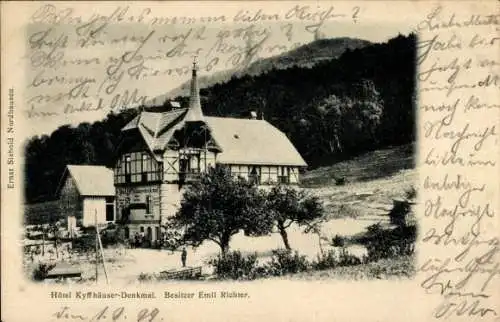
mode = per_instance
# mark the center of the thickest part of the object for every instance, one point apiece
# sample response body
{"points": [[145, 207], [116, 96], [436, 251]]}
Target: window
{"points": [[110, 212], [145, 167], [190, 162], [254, 175], [284, 176], [127, 169], [110, 209], [137, 167], [148, 204]]}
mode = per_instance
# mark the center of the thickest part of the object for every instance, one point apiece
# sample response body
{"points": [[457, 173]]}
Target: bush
{"points": [[338, 241], [235, 266], [347, 259], [390, 243], [110, 237], [326, 261], [147, 277], [411, 193], [285, 262], [340, 181], [84, 243], [332, 260], [41, 270]]}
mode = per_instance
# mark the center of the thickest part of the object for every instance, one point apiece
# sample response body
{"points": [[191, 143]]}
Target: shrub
{"points": [[347, 259], [326, 260], [338, 241], [41, 270], [411, 193], [332, 259], [285, 261], [235, 266], [390, 243], [110, 237], [84, 243], [340, 181], [145, 277]]}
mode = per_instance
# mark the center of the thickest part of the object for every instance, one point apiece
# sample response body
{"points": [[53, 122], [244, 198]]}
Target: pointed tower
{"points": [[194, 114]]}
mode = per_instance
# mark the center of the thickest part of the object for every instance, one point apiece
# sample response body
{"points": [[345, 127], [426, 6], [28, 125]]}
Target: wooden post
{"points": [[96, 249], [43, 241], [54, 229], [102, 254]]}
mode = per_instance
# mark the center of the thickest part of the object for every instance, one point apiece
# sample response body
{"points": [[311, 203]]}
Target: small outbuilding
{"points": [[86, 194]]}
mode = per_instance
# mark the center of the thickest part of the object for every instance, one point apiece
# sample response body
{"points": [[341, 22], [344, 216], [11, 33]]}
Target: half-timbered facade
{"points": [[161, 153]]}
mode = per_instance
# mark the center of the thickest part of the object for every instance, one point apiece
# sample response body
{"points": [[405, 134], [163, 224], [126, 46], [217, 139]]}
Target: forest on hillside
{"points": [[336, 109]]}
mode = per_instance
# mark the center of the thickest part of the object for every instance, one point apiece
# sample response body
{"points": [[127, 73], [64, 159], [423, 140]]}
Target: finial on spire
{"points": [[195, 61], [194, 113]]}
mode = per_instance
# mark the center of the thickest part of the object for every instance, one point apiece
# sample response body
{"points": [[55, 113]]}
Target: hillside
{"points": [[305, 56], [374, 179], [339, 108], [368, 166]]}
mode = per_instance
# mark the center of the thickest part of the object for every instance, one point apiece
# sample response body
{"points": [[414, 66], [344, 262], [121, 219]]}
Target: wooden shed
{"points": [[86, 192]]}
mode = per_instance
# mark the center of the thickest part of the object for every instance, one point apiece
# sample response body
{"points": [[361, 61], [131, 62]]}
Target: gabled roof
{"points": [[243, 141], [247, 141], [91, 180], [156, 128]]}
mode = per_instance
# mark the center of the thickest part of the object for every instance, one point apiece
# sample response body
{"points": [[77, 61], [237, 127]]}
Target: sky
{"points": [[79, 65]]}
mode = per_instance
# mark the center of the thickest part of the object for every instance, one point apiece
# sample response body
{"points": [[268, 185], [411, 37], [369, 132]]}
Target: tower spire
{"points": [[194, 114]]}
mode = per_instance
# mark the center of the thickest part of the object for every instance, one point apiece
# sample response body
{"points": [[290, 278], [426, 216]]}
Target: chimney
{"points": [[253, 115], [194, 113]]}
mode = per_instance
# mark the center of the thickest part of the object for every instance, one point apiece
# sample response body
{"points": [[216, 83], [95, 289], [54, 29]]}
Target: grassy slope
{"points": [[401, 267], [374, 180]]}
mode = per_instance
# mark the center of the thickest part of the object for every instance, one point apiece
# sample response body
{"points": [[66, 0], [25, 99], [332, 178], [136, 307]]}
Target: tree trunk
{"points": [[224, 245], [284, 236], [319, 243], [55, 246]]}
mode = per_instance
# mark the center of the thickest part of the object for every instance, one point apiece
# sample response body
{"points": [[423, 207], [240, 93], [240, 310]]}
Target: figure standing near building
{"points": [[184, 256]]}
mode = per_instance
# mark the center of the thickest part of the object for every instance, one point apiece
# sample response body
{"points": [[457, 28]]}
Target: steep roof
{"points": [[243, 141], [194, 113], [92, 180], [247, 141], [156, 128]]}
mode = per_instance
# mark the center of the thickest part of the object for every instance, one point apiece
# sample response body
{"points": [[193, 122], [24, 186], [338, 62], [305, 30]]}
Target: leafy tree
{"points": [[363, 112], [289, 205], [339, 120], [330, 111], [218, 207]]}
